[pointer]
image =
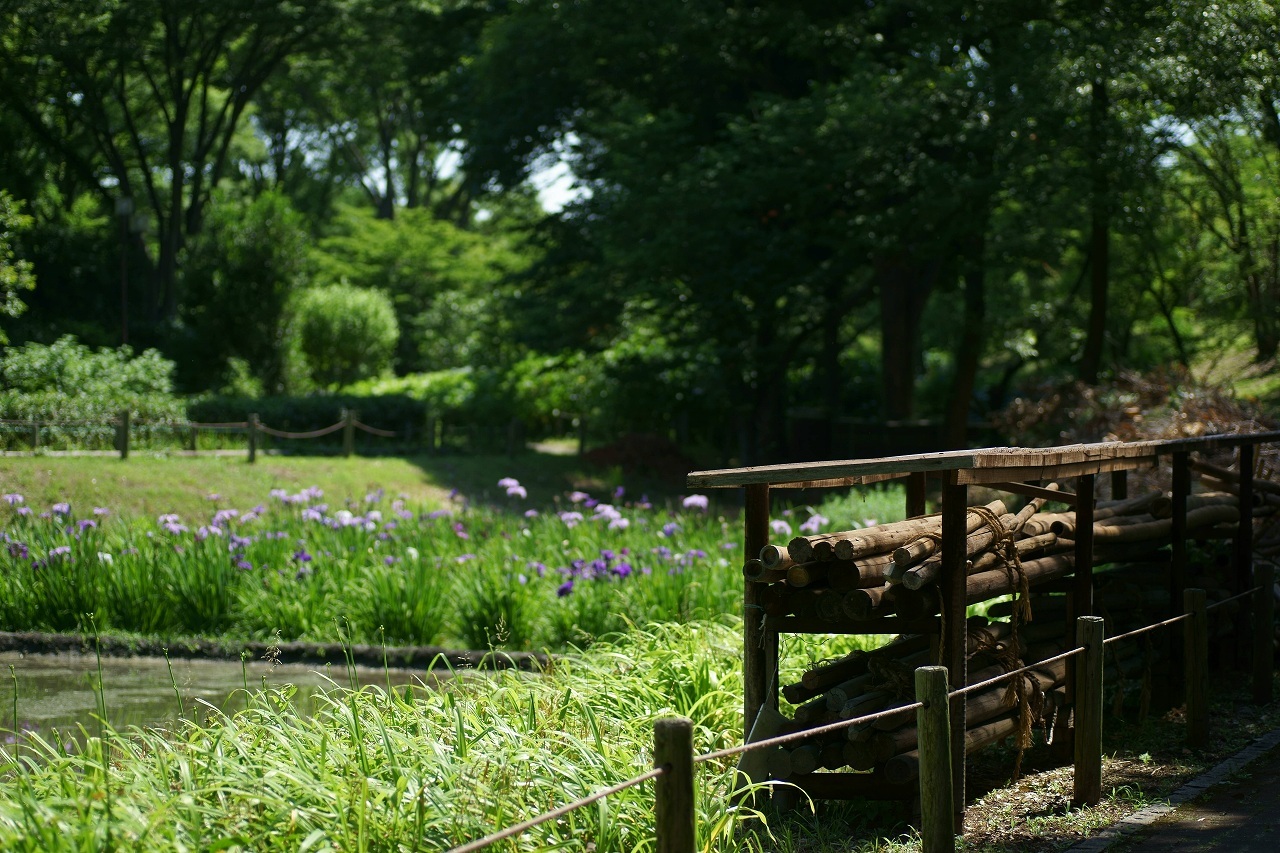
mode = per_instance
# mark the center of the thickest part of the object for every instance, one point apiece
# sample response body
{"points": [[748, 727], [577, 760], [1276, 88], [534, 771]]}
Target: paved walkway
{"points": [[1211, 813]]}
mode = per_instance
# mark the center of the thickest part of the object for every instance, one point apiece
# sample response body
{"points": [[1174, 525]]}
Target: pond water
{"points": [[54, 694]]}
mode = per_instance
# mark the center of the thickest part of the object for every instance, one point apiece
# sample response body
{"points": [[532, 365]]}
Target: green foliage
{"points": [[442, 281], [302, 414], [15, 273], [240, 275], [346, 333], [461, 393], [68, 381]]}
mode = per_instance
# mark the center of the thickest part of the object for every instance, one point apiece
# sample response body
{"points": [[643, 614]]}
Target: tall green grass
{"points": [[374, 770]]}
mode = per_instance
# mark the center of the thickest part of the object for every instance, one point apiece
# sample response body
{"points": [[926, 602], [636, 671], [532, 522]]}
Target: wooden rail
{"points": [[1017, 470]]}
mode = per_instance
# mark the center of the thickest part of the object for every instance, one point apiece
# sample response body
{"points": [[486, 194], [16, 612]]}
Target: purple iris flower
{"points": [[565, 588], [61, 508]]}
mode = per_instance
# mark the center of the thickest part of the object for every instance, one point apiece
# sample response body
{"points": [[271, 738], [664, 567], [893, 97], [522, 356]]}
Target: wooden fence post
{"points": [[1088, 712], [124, 433], [673, 790], [348, 432], [35, 435], [1181, 462], [1264, 629], [253, 437], [933, 724], [1195, 653], [194, 438]]}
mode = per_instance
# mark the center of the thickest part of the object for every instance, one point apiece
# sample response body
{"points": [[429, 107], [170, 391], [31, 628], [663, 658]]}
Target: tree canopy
{"points": [[782, 210]]}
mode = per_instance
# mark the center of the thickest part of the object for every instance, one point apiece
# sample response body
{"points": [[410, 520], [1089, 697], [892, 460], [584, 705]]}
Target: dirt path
{"points": [[1233, 807]]}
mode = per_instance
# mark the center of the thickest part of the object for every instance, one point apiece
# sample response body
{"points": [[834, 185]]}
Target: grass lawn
{"points": [[146, 485]]}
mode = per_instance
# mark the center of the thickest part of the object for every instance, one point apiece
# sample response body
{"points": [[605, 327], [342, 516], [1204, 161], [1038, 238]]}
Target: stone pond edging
{"points": [[400, 657]]}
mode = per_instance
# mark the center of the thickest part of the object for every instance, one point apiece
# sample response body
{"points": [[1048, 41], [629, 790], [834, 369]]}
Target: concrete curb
{"points": [[1146, 816]]}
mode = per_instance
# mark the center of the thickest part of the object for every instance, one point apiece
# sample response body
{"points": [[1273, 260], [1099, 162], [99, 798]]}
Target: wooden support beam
{"points": [[760, 644], [1119, 485], [953, 587], [1243, 547], [1178, 563], [916, 494], [1032, 491], [1083, 589]]}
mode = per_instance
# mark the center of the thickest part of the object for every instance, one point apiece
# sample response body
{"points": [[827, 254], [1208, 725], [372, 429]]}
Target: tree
{"points": [[240, 273], [144, 99], [15, 273], [446, 284], [1220, 67], [377, 114]]}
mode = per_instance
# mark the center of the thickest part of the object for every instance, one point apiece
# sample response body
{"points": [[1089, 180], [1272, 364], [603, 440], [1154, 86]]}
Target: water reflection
{"points": [[54, 695]]}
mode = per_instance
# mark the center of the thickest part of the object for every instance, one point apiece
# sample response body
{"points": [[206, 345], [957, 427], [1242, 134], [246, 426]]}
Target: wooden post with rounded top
{"points": [[253, 437], [673, 790], [1264, 632], [933, 727], [1087, 789], [1196, 657]]}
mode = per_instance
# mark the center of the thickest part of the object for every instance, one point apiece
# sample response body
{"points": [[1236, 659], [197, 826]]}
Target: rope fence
{"points": [[1146, 628], [519, 828], [121, 431], [1011, 673], [315, 433], [933, 704]]}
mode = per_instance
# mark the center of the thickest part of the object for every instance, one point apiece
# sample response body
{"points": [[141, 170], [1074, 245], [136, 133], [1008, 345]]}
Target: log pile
{"points": [[855, 577], [893, 569]]}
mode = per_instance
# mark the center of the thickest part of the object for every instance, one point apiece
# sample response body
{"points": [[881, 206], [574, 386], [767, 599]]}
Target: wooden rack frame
{"points": [[1010, 469]]}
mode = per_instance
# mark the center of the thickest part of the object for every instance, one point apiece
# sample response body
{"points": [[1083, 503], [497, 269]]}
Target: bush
{"points": [[302, 414], [67, 381], [345, 333]]}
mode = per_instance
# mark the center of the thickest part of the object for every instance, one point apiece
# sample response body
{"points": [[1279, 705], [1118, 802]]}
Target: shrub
{"points": [[67, 381], [345, 333], [302, 414]]}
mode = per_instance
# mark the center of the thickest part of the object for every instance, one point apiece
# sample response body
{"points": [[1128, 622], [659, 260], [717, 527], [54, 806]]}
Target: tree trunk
{"points": [[1099, 235], [972, 340], [904, 290]]}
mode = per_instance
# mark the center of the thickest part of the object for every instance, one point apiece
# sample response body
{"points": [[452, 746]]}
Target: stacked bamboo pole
{"points": [[855, 577]]}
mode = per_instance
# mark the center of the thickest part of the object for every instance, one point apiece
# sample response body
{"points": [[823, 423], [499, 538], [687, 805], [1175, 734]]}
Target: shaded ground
{"points": [[1240, 815]]}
